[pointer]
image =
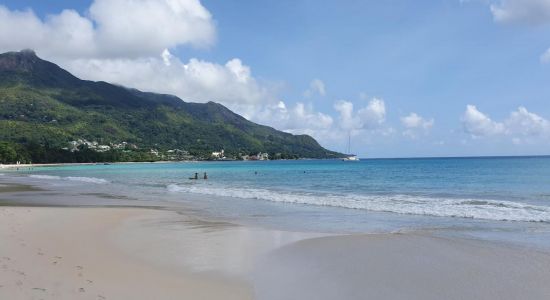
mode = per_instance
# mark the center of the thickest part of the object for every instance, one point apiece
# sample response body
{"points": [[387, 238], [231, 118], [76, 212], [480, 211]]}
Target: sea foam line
{"points": [[72, 178], [498, 210]]}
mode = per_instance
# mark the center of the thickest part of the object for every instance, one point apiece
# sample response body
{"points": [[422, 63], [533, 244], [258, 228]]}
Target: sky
{"points": [[402, 78]]}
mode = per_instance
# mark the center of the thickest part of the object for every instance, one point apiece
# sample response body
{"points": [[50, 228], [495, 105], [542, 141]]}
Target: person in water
{"points": [[205, 176], [196, 177]]}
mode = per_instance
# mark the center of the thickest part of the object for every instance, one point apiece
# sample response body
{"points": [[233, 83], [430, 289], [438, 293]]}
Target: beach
{"points": [[66, 253], [71, 253], [122, 252]]}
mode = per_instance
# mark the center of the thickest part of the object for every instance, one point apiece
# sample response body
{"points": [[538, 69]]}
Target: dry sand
{"points": [[67, 253]]}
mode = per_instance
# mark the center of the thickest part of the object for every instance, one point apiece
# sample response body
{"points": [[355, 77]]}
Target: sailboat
{"points": [[350, 157]]}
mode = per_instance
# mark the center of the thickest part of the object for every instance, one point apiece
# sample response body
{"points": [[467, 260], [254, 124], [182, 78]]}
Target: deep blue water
{"points": [[490, 194]]}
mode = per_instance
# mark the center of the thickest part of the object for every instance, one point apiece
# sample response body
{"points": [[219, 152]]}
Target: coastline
{"points": [[12, 166], [101, 252], [78, 253]]}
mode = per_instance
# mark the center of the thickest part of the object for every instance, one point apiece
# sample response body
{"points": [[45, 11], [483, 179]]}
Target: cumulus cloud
{"points": [[113, 28], [300, 118], [66, 34], [477, 124], [363, 123], [521, 125], [127, 42], [316, 87], [195, 80], [521, 11], [415, 124], [369, 117], [525, 125], [149, 26]]}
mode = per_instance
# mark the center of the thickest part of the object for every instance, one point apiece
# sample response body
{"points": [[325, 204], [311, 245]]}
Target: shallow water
{"points": [[491, 198]]}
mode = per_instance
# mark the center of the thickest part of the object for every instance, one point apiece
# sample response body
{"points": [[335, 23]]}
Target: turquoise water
{"points": [[483, 195]]}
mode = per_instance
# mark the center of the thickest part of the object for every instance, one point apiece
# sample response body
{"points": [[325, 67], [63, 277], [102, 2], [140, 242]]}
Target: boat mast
{"points": [[349, 142]]}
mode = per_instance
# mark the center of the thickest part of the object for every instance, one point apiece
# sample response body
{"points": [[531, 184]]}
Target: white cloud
{"points": [[65, 34], [300, 118], [316, 87], [521, 126], [127, 42], [526, 124], [112, 28], [521, 11], [477, 124], [149, 26], [369, 117], [196, 80], [374, 114], [415, 124], [347, 118]]}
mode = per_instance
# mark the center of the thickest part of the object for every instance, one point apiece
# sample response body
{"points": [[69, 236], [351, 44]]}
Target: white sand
{"points": [[136, 253], [67, 253]]}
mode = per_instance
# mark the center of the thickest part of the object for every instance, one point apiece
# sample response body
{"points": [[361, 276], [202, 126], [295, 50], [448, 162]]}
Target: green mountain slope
{"points": [[43, 107]]}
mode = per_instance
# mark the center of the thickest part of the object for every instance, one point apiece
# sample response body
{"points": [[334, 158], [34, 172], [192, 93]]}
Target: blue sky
{"points": [[409, 68]]}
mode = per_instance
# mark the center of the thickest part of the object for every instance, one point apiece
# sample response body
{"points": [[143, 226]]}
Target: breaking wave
{"points": [[499, 210], [72, 178]]}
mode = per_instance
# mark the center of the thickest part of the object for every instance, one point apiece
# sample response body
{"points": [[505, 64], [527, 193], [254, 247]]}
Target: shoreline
{"points": [[112, 250], [12, 166], [141, 253]]}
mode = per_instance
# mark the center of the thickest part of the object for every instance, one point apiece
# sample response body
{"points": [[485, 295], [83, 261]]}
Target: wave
{"points": [[88, 179], [45, 177], [498, 210], [72, 178]]}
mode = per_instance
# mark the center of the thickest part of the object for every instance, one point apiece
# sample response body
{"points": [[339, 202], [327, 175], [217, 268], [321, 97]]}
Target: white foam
{"points": [[71, 178], [499, 210], [44, 177], [88, 179]]}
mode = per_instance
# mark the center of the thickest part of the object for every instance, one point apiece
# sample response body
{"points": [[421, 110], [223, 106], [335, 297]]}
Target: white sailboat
{"points": [[350, 157]]}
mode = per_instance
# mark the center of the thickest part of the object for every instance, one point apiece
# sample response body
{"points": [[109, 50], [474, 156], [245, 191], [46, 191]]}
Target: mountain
{"points": [[43, 108]]}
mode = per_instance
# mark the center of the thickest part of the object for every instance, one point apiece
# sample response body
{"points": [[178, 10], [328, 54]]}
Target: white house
{"points": [[220, 154]]}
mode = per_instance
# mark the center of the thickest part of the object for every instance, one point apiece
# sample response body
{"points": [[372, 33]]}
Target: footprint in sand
{"points": [[89, 281], [79, 267], [82, 290], [39, 289], [101, 297]]}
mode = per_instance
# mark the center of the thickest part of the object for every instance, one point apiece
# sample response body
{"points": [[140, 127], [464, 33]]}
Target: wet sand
{"points": [[403, 266], [144, 253]]}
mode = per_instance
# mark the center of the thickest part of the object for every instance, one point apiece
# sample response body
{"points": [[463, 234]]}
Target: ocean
{"points": [[496, 198]]}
